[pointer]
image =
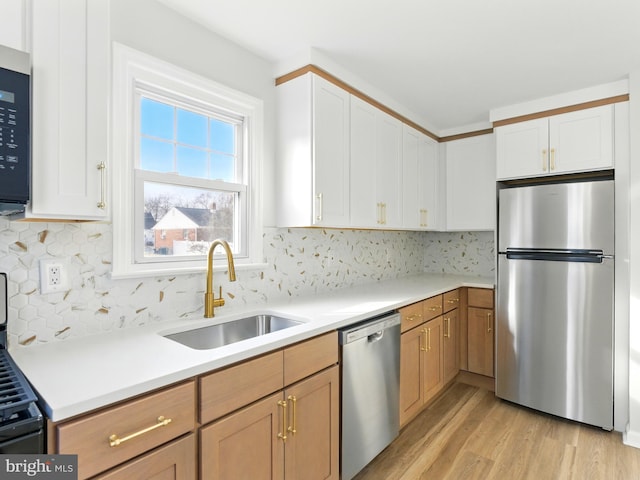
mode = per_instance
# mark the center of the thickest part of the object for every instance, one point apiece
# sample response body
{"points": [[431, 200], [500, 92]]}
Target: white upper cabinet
{"points": [[570, 142], [419, 180], [70, 59], [471, 184], [376, 167], [14, 29], [313, 153]]}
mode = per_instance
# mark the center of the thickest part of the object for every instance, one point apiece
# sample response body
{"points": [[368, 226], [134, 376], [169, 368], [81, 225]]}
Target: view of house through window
{"points": [[190, 171]]}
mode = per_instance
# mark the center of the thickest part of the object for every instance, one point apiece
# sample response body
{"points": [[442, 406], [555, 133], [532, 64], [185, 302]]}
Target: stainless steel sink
{"points": [[230, 332]]}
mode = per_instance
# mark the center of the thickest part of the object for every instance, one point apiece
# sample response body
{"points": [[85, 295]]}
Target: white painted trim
{"points": [[631, 438], [598, 92], [130, 66]]}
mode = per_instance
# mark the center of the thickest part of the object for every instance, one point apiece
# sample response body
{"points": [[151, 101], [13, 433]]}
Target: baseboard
{"points": [[631, 438], [473, 379]]}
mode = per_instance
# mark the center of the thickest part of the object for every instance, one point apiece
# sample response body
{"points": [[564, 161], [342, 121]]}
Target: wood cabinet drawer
{"points": [[480, 297], [230, 388], [90, 437], [450, 300], [411, 316], [309, 357], [432, 307], [176, 461]]}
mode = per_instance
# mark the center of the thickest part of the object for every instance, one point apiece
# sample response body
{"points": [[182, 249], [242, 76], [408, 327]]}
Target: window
{"points": [[190, 171]]}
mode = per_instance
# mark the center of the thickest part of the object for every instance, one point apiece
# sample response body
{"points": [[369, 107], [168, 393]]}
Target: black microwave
{"points": [[15, 130]]}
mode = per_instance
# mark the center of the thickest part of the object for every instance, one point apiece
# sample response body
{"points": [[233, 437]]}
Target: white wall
{"points": [[632, 435]]}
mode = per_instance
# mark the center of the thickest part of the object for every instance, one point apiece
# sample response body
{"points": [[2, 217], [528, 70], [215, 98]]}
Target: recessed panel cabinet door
{"points": [[523, 149], [245, 444], [411, 373], [312, 446], [481, 335], [581, 140], [433, 372], [70, 58]]}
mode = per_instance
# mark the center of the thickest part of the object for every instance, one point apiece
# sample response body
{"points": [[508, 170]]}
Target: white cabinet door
{"points": [[376, 167], [389, 169], [70, 58], [581, 140], [331, 153], [522, 149], [419, 180], [313, 153], [13, 32], [364, 203], [471, 183]]}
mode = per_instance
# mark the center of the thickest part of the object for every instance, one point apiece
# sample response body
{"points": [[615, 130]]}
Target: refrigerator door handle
{"points": [[557, 255]]}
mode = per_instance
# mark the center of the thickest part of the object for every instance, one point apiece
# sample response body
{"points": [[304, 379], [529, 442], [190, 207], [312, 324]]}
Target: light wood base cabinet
{"points": [[175, 461], [480, 331], [292, 434], [429, 351]]}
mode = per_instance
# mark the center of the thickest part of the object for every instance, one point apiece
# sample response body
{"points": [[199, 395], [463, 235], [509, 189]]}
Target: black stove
{"points": [[21, 423]]}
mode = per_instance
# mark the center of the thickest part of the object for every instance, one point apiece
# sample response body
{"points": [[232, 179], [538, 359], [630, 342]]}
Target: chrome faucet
{"points": [[210, 300]]}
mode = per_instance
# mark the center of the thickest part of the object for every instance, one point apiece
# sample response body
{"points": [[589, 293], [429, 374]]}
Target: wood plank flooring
{"points": [[468, 433]]}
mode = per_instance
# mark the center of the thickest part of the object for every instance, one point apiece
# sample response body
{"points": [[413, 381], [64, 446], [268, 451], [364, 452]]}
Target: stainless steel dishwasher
{"points": [[370, 368]]}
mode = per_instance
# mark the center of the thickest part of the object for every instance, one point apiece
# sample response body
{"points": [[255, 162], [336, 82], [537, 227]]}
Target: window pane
{"points": [[156, 119], [156, 155], [192, 162], [184, 221], [222, 167], [192, 128], [223, 136]]}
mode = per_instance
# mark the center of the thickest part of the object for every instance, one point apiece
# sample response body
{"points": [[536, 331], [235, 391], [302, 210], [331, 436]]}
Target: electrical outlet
{"points": [[53, 275]]}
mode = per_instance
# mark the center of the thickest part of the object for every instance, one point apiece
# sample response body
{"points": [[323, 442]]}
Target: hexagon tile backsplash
{"points": [[298, 262]]}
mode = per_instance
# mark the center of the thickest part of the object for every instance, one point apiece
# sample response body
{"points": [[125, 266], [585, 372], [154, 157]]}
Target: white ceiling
{"points": [[449, 61]]}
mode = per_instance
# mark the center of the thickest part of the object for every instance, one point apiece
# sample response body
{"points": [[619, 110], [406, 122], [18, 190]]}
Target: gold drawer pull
{"points": [[489, 327], [423, 349], [415, 316], [453, 301], [114, 440], [283, 434], [433, 309], [292, 427], [447, 322]]}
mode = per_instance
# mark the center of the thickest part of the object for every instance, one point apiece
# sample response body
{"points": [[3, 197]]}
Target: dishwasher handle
{"points": [[375, 337]]}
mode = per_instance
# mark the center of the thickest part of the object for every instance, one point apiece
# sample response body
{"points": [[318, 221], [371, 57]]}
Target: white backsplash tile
{"points": [[299, 262]]}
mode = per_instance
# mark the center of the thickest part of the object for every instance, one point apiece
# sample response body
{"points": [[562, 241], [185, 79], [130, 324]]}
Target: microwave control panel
{"points": [[14, 134]]}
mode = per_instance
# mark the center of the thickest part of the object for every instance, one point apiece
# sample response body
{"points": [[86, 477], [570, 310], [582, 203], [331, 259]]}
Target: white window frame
{"points": [[132, 68]]}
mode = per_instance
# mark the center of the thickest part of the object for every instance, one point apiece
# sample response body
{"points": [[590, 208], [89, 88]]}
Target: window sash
{"points": [[240, 220]]}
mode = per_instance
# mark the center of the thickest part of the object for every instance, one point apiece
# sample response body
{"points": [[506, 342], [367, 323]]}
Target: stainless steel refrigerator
{"points": [[555, 298]]}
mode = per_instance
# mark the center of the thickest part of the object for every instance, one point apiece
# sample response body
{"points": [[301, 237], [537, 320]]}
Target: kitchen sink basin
{"points": [[233, 331]]}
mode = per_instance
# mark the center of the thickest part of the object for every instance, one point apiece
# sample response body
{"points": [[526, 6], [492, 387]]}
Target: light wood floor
{"points": [[468, 433]]}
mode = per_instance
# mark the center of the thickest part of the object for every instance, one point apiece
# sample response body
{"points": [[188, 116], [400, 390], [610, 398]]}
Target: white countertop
{"points": [[78, 375]]}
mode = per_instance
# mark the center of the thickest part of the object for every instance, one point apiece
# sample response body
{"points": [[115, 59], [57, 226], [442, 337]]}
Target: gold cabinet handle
{"points": [[319, 207], [423, 349], [453, 301], [283, 434], [428, 339], [553, 159], [489, 327], [544, 160], [433, 309], [114, 440], [103, 185], [292, 427], [384, 213], [423, 218], [379, 213], [415, 316], [447, 330]]}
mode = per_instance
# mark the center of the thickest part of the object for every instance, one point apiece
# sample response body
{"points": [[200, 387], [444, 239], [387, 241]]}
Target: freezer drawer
{"points": [[554, 340]]}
